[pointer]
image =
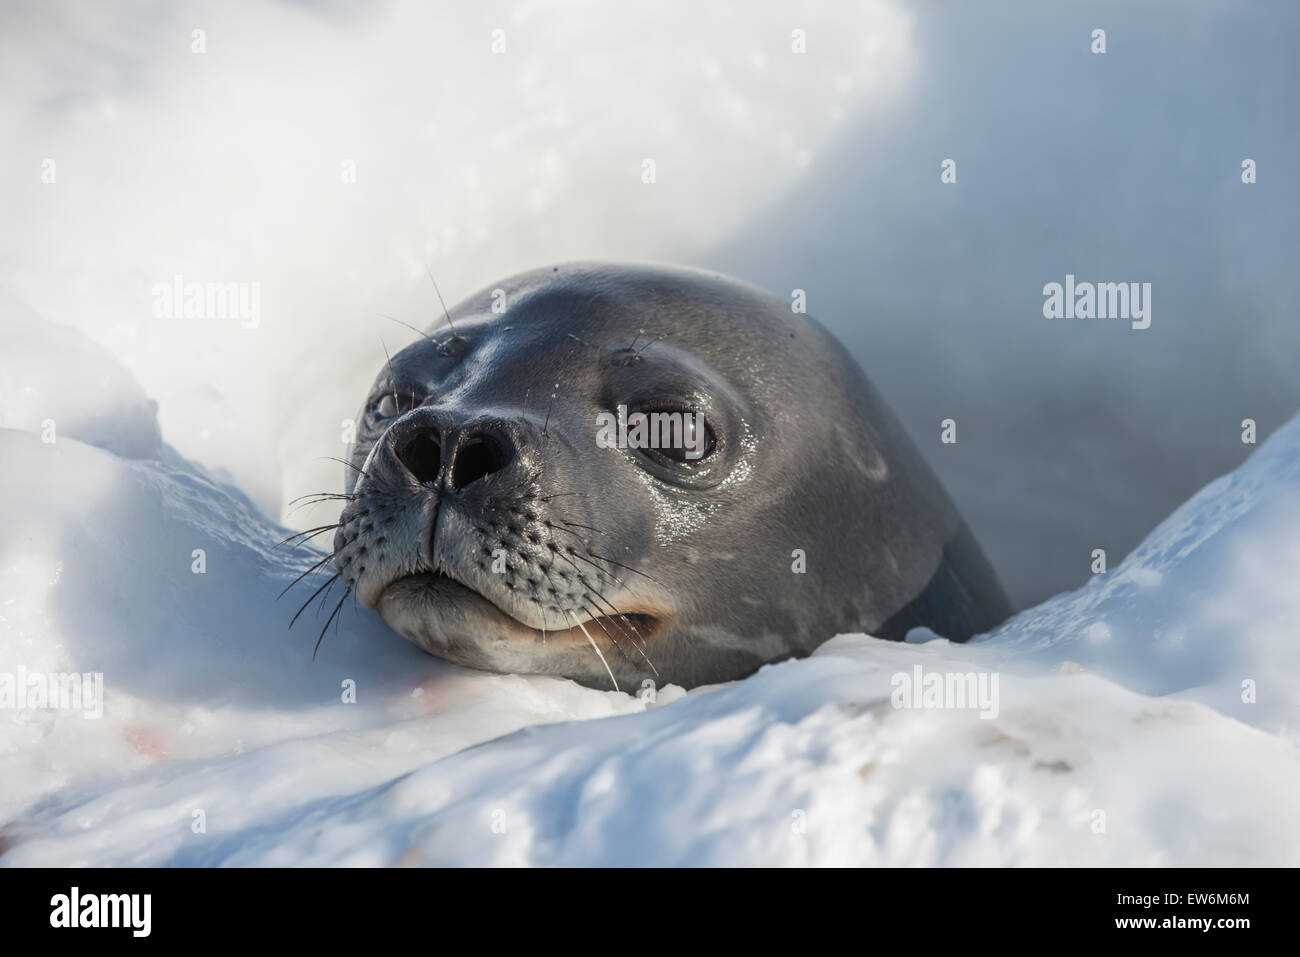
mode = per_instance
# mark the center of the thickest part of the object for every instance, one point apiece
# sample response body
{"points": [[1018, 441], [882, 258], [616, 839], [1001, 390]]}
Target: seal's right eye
{"points": [[390, 405]]}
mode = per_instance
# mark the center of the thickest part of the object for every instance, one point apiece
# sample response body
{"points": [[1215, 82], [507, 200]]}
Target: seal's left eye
{"points": [[678, 436]]}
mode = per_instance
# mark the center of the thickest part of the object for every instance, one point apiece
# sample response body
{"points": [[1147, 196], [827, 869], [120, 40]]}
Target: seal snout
{"points": [[426, 463], [478, 449], [457, 536]]}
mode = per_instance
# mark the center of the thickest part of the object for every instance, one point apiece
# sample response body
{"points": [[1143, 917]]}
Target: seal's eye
{"points": [[679, 436], [390, 405]]}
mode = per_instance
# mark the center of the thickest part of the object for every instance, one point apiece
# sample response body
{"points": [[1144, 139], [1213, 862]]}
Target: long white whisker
{"points": [[595, 649], [594, 606]]}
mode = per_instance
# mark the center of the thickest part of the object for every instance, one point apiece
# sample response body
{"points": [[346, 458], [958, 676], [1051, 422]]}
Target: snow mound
{"points": [[54, 377], [1207, 606], [1123, 720]]}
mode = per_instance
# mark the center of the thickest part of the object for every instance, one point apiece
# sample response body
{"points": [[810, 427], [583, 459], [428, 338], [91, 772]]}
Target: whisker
{"points": [[595, 649], [337, 609], [335, 458], [616, 580], [590, 528], [548, 411], [445, 311], [317, 497], [540, 608], [637, 354], [614, 641], [617, 564], [304, 575], [618, 615], [313, 597], [414, 329], [599, 570], [597, 615], [392, 376], [308, 534], [299, 507], [595, 593], [603, 571]]}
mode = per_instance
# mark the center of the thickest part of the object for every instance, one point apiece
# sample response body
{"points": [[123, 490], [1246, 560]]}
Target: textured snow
{"points": [[1121, 702]]}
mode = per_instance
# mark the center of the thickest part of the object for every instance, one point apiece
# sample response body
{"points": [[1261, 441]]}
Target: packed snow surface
{"points": [[1147, 718]]}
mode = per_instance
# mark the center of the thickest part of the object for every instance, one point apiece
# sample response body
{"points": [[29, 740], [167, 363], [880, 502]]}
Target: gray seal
{"points": [[490, 520]]}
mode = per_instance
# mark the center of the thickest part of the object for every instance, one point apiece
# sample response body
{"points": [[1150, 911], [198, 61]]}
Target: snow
{"points": [[1147, 717], [1121, 733]]}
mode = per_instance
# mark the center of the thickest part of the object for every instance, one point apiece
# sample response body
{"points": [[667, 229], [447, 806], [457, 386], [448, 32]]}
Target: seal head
{"points": [[492, 520]]}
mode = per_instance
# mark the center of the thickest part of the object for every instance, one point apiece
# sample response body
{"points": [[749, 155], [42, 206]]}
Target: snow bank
{"points": [[1121, 732]]}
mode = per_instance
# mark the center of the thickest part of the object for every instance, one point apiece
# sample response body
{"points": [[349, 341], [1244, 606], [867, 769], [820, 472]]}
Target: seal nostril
{"points": [[475, 460], [422, 458]]}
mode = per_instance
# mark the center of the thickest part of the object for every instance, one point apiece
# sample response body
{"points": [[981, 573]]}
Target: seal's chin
{"points": [[452, 621]]}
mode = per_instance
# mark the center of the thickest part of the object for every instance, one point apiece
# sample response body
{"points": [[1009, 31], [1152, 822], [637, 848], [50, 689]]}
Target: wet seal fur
{"points": [[486, 524]]}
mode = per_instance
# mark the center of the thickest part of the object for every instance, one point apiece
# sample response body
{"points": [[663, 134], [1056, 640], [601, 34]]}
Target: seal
{"points": [[503, 509]]}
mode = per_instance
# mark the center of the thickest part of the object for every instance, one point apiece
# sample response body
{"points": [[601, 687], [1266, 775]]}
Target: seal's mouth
{"points": [[460, 614]]}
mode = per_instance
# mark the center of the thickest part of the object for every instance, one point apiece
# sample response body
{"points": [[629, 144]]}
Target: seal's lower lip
{"points": [[636, 626]]}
